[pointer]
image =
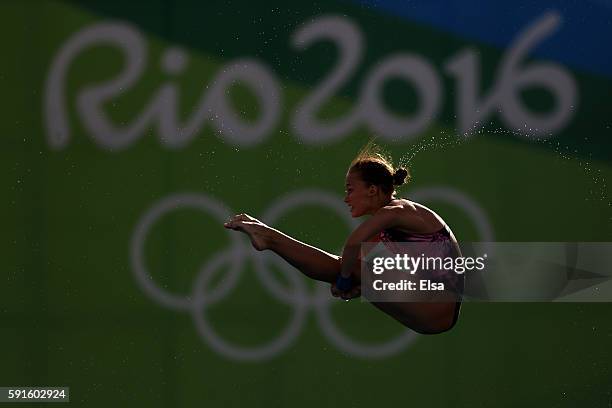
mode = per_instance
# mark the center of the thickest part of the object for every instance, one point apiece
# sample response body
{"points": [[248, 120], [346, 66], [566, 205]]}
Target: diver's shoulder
{"points": [[404, 204]]}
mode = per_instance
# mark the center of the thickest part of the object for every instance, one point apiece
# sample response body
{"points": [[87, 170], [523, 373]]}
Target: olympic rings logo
{"points": [[298, 298]]}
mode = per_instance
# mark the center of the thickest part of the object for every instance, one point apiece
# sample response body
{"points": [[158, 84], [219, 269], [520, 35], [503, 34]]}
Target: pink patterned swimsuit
{"points": [[443, 245]]}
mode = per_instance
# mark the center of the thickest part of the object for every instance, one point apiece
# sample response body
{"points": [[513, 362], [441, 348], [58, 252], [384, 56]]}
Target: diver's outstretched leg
{"points": [[424, 317], [311, 261]]}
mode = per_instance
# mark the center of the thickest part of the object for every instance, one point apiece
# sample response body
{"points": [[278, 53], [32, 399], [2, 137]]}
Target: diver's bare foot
{"points": [[255, 229]]}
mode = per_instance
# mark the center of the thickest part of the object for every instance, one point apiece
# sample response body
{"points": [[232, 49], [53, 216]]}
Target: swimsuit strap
{"points": [[395, 235]]}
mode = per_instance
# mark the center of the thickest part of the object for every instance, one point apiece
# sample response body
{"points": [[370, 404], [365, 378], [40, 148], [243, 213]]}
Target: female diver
{"points": [[370, 190]]}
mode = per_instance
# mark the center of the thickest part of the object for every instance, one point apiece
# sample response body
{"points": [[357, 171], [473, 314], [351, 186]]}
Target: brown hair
{"points": [[376, 168]]}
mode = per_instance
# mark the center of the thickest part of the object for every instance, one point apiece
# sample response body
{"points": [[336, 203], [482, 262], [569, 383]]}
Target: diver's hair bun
{"points": [[400, 176], [375, 168]]}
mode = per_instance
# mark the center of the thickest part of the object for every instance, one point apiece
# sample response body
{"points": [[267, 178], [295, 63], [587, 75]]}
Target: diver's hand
{"points": [[258, 232], [354, 292]]}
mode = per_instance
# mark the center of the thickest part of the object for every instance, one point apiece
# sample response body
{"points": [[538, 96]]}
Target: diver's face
{"points": [[358, 194]]}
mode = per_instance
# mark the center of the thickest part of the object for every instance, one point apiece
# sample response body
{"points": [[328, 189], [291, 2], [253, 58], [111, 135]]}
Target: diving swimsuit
{"points": [[445, 247]]}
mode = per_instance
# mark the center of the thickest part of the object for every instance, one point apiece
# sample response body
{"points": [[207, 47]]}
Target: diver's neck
{"points": [[382, 203]]}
